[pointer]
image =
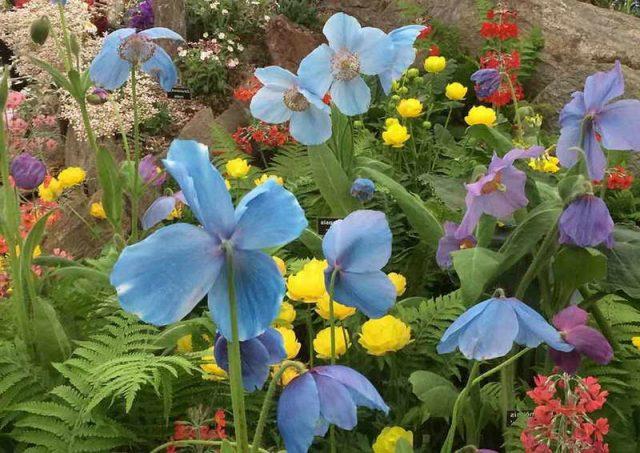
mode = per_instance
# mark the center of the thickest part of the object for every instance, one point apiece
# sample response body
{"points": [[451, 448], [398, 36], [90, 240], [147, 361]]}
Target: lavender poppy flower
{"points": [[162, 278], [357, 247], [125, 48], [256, 355], [489, 329], [450, 243], [404, 54], [591, 121], [161, 208], [572, 323], [586, 222], [363, 189], [150, 172], [352, 50], [322, 396], [487, 82], [27, 171]]}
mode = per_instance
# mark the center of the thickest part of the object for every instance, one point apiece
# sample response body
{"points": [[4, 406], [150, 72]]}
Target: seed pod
{"points": [[75, 46], [40, 30]]}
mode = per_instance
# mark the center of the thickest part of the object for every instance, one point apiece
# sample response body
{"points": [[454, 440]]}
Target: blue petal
{"points": [[362, 391], [276, 77], [162, 278], [202, 186], [259, 293], [375, 51], [596, 160], [268, 216], [272, 340], [361, 242], [534, 329], [161, 67], [298, 413], [619, 123], [574, 111], [602, 87], [161, 33], [322, 426], [336, 405], [405, 36], [449, 341], [315, 72], [268, 105], [108, 70], [311, 127], [158, 211], [352, 97], [569, 138], [491, 334], [404, 54], [370, 292], [114, 38], [342, 32], [254, 359]]}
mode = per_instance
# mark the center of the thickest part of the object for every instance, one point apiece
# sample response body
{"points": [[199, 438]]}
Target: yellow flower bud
{"points": [[383, 335], [97, 210], [339, 311], [289, 374], [291, 343], [395, 136], [409, 108], [636, 342], [264, 178], [481, 115], [185, 344], [399, 281], [51, 190], [545, 163], [287, 314], [71, 176], [391, 121], [435, 64], [456, 91], [211, 369], [388, 438], [322, 342], [238, 168]]}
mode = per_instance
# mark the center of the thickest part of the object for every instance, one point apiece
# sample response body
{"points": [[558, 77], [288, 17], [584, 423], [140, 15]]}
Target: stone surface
{"points": [[171, 14], [199, 127], [289, 43]]}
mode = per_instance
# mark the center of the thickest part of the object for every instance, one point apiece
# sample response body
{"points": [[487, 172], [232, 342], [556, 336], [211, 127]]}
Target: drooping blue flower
{"points": [[487, 82], [598, 122], [404, 54], [357, 248], [124, 49], [256, 356], [489, 329], [323, 396], [161, 208], [283, 98], [363, 189], [586, 222], [337, 67], [162, 278]]}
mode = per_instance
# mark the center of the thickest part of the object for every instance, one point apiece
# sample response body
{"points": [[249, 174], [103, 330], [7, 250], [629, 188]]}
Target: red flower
{"points": [[3, 246], [434, 50], [619, 179], [426, 31], [247, 91], [182, 431]]}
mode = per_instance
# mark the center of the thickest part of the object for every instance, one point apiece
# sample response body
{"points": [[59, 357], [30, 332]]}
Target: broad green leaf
{"points": [[332, 181], [571, 186], [575, 266], [341, 142], [57, 76], [491, 136], [34, 238], [111, 184], [486, 229], [99, 278], [51, 338], [623, 267], [438, 393], [312, 241], [476, 267], [449, 190]]}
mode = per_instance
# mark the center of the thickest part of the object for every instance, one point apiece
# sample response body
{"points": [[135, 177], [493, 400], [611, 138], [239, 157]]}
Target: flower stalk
{"points": [[135, 194]]}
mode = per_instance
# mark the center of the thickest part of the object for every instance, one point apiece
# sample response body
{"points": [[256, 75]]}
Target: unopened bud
{"points": [[40, 29]]}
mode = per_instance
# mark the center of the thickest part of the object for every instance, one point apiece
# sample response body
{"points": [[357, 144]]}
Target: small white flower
{"points": [[224, 12], [230, 48], [267, 18], [221, 35], [240, 47], [182, 53], [205, 34], [232, 62]]}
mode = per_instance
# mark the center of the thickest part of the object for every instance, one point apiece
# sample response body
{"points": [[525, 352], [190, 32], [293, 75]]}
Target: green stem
{"points": [[546, 248], [135, 195], [67, 41], [520, 133], [235, 366], [187, 443]]}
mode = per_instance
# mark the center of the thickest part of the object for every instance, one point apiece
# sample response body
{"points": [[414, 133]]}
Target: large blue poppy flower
{"points": [[162, 278], [404, 54], [489, 329], [357, 247], [282, 98], [125, 48], [337, 67], [322, 396]]}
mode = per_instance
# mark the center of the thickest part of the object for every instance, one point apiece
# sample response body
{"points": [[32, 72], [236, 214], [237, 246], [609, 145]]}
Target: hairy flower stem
{"points": [[332, 324], [514, 98], [545, 251], [193, 442], [266, 404], [135, 193], [235, 365], [65, 36]]}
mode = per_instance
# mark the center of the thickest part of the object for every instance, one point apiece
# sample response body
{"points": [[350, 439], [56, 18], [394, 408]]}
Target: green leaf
{"points": [[403, 446], [423, 221], [571, 186], [341, 142], [575, 266], [111, 184], [99, 278], [623, 271], [438, 393], [332, 181], [476, 267], [312, 241], [33, 240], [492, 137], [52, 340], [4, 89], [57, 76], [227, 447], [449, 190], [486, 229]]}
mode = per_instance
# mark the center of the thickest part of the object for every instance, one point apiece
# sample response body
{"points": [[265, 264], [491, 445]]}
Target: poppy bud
{"points": [[27, 171], [98, 97], [40, 29]]}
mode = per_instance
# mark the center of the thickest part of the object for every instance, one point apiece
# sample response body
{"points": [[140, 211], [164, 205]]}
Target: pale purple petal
{"points": [[570, 317], [336, 405], [591, 343], [603, 87], [569, 362], [618, 124], [586, 222], [298, 413]]}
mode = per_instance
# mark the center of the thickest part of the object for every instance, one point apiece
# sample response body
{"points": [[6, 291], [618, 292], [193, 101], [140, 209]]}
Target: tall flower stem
{"points": [[546, 249], [135, 195], [514, 98], [65, 37], [235, 365], [332, 326], [196, 442]]}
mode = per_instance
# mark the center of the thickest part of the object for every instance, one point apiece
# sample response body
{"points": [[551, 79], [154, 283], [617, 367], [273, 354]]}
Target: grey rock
{"points": [[289, 43], [199, 127]]}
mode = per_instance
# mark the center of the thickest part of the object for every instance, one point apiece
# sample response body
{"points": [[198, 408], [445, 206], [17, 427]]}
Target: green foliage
{"points": [[530, 48], [302, 12]]}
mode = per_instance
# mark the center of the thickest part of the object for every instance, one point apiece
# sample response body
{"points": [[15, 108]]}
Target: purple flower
{"points": [[572, 323], [141, 16], [586, 222], [591, 121], [450, 243], [98, 96], [27, 171], [499, 193], [161, 208], [322, 396], [487, 82], [363, 189], [150, 171], [256, 354]]}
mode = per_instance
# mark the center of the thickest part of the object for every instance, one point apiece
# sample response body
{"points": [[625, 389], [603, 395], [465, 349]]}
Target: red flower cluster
{"points": [[618, 178], [426, 31], [33, 211], [186, 431], [247, 90], [561, 418], [502, 25], [271, 136]]}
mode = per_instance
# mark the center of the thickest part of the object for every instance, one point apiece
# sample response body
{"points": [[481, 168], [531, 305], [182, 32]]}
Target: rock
{"points": [[171, 14], [199, 127], [289, 43]]}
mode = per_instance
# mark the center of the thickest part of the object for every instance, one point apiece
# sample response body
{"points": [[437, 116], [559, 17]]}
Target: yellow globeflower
{"points": [[322, 342], [287, 314], [435, 64], [238, 168], [481, 115], [289, 374], [399, 281], [282, 266], [264, 178], [409, 108], [388, 438], [395, 135], [97, 210], [545, 163], [211, 369], [290, 341], [185, 344], [390, 122], [339, 311], [308, 284], [386, 334], [71, 176], [456, 91], [50, 190], [636, 342]]}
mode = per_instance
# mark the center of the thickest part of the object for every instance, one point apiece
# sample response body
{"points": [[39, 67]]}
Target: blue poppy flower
{"points": [[489, 329], [487, 81], [322, 396], [162, 278], [363, 189], [125, 48], [160, 209], [357, 247], [256, 355], [283, 98], [336, 67], [404, 54]]}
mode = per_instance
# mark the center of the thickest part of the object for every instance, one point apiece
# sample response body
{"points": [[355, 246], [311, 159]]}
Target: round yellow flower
{"points": [[456, 91], [264, 178], [388, 438], [386, 334], [71, 176], [395, 135], [282, 266], [308, 284], [97, 210], [409, 108], [322, 342], [185, 344], [339, 311], [287, 314], [238, 168], [289, 374], [545, 163], [390, 122], [399, 281], [636, 342], [435, 64], [50, 190], [481, 115], [211, 369], [290, 341]]}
